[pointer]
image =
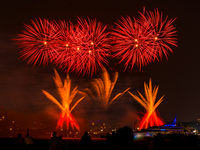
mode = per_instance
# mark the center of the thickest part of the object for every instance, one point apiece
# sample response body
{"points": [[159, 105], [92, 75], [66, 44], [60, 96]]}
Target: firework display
{"points": [[39, 42], [141, 41], [131, 45], [87, 49], [84, 47], [103, 88], [163, 32], [89, 46], [67, 97], [150, 118]]}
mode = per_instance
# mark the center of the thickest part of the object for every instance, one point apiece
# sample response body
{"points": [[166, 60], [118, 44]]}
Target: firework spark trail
{"points": [[164, 33], [150, 118], [144, 40], [88, 46], [84, 47], [67, 46], [131, 43], [39, 42], [103, 88], [67, 98], [64, 41]]}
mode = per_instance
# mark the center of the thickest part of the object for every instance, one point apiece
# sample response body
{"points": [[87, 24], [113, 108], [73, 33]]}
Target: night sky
{"points": [[177, 77]]}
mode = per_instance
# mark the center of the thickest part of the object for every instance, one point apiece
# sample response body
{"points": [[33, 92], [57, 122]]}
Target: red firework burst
{"points": [[39, 42], [131, 43], [163, 32], [65, 41], [87, 47], [140, 41]]}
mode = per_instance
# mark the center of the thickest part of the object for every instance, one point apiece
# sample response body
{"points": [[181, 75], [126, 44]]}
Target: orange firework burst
{"points": [[66, 97], [103, 87], [150, 118]]}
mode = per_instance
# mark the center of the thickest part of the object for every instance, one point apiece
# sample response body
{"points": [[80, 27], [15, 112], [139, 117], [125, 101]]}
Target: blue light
{"points": [[170, 125], [162, 129]]}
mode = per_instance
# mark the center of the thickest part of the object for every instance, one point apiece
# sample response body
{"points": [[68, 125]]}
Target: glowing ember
{"points": [[150, 118], [66, 97], [104, 87]]}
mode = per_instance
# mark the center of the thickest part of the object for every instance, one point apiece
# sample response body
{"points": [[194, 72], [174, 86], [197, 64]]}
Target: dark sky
{"points": [[178, 78]]}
